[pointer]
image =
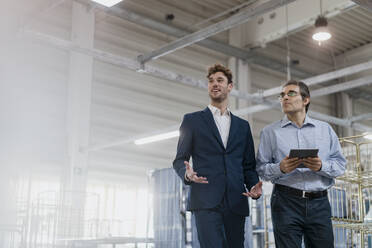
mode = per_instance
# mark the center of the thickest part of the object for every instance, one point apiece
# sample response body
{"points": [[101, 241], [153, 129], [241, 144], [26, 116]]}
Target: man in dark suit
{"points": [[224, 166]]}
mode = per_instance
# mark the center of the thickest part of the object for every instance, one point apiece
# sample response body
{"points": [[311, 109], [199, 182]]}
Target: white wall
{"points": [[34, 96]]}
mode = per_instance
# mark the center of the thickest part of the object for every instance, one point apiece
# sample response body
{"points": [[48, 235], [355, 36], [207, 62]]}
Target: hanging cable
{"points": [[288, 49]]}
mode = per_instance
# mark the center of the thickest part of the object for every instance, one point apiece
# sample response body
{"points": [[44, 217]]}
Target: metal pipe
{"points": [[366, 4], [213, 29], [228, 11], [361, 117], [322, 77]]}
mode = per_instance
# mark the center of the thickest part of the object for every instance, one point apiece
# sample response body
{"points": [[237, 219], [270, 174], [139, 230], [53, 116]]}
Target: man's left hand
{"points": [[314, 164], [255, 192]]}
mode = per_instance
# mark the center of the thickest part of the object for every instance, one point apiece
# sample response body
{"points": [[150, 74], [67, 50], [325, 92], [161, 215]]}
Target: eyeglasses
{"points": [[290, 93]]}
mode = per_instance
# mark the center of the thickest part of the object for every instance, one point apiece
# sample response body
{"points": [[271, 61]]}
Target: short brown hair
{"points": [[220, 68], [304, 90]]}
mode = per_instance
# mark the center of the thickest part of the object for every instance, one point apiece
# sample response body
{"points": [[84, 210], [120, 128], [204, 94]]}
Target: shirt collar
{"points": [[216, 110], [308, 121]]}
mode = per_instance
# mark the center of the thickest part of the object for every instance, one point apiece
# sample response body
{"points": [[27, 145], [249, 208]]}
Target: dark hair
{"points": [[304, 90], [220, 68]]}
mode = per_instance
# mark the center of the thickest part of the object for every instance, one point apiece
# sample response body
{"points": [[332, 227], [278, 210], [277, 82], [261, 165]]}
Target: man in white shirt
{"points": [[224, 166]]}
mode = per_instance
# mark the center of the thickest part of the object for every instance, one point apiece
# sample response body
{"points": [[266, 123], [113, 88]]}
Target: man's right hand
{"points": [[191, 175], [289, 164]]}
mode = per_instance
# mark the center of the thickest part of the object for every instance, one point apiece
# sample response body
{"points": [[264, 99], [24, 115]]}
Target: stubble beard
{"points": [[218, 99]]}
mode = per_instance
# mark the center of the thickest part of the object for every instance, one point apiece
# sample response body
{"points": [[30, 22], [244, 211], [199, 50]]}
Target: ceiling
{"points": [[351, 29], [115, 99]]}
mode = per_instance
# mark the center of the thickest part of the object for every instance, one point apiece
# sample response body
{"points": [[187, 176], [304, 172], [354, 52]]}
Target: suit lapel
{"points": [[208, 118], [233, 129]]}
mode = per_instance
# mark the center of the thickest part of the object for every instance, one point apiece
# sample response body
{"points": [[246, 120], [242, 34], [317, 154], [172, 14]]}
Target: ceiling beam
{"points": [[120, 61], [123, 61], [367, 4], [169, 75], [301, 14], [360, 94], [250, 56], [361, 117], [134, 65], [221, 47], [226, 12], [158, 26], [268, 104], [322, 77], [343, 86], [340, 122], [213, 29]]}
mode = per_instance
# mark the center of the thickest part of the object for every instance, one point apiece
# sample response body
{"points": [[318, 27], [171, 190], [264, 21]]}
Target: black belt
{"points": [[300, 193]]}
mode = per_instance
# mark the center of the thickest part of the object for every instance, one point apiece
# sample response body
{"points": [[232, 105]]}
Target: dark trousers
{"points": [[295, 217], [219, 227]]}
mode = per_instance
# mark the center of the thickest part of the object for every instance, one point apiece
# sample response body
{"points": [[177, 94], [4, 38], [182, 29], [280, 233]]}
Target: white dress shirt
{"points": [[223, 122]]}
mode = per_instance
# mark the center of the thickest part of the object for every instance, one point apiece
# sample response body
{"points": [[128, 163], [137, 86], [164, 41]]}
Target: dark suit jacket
{"points": [[226, 169]]}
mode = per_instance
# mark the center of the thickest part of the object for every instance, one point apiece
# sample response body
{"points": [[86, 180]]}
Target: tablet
{"points": [[303, 153]]}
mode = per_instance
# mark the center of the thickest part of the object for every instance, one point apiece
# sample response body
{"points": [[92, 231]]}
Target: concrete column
{"points": [[9, 17], [241, 71], [344, 110], [79, 96], [78, 124], [243, 82]]}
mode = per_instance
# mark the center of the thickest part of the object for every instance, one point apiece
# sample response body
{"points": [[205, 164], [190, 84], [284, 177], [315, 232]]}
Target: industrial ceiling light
{"points": [[107, 3], [321, 30], [157, 137]]}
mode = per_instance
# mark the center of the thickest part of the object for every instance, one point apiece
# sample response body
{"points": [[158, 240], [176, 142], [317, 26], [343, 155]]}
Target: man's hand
{"points": [[191, 175], [289, 164], [255, 192], [314, 164]]}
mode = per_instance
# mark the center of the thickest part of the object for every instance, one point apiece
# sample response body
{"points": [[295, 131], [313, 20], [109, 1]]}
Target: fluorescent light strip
{"points": [[107, 3], [157, 137]]}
